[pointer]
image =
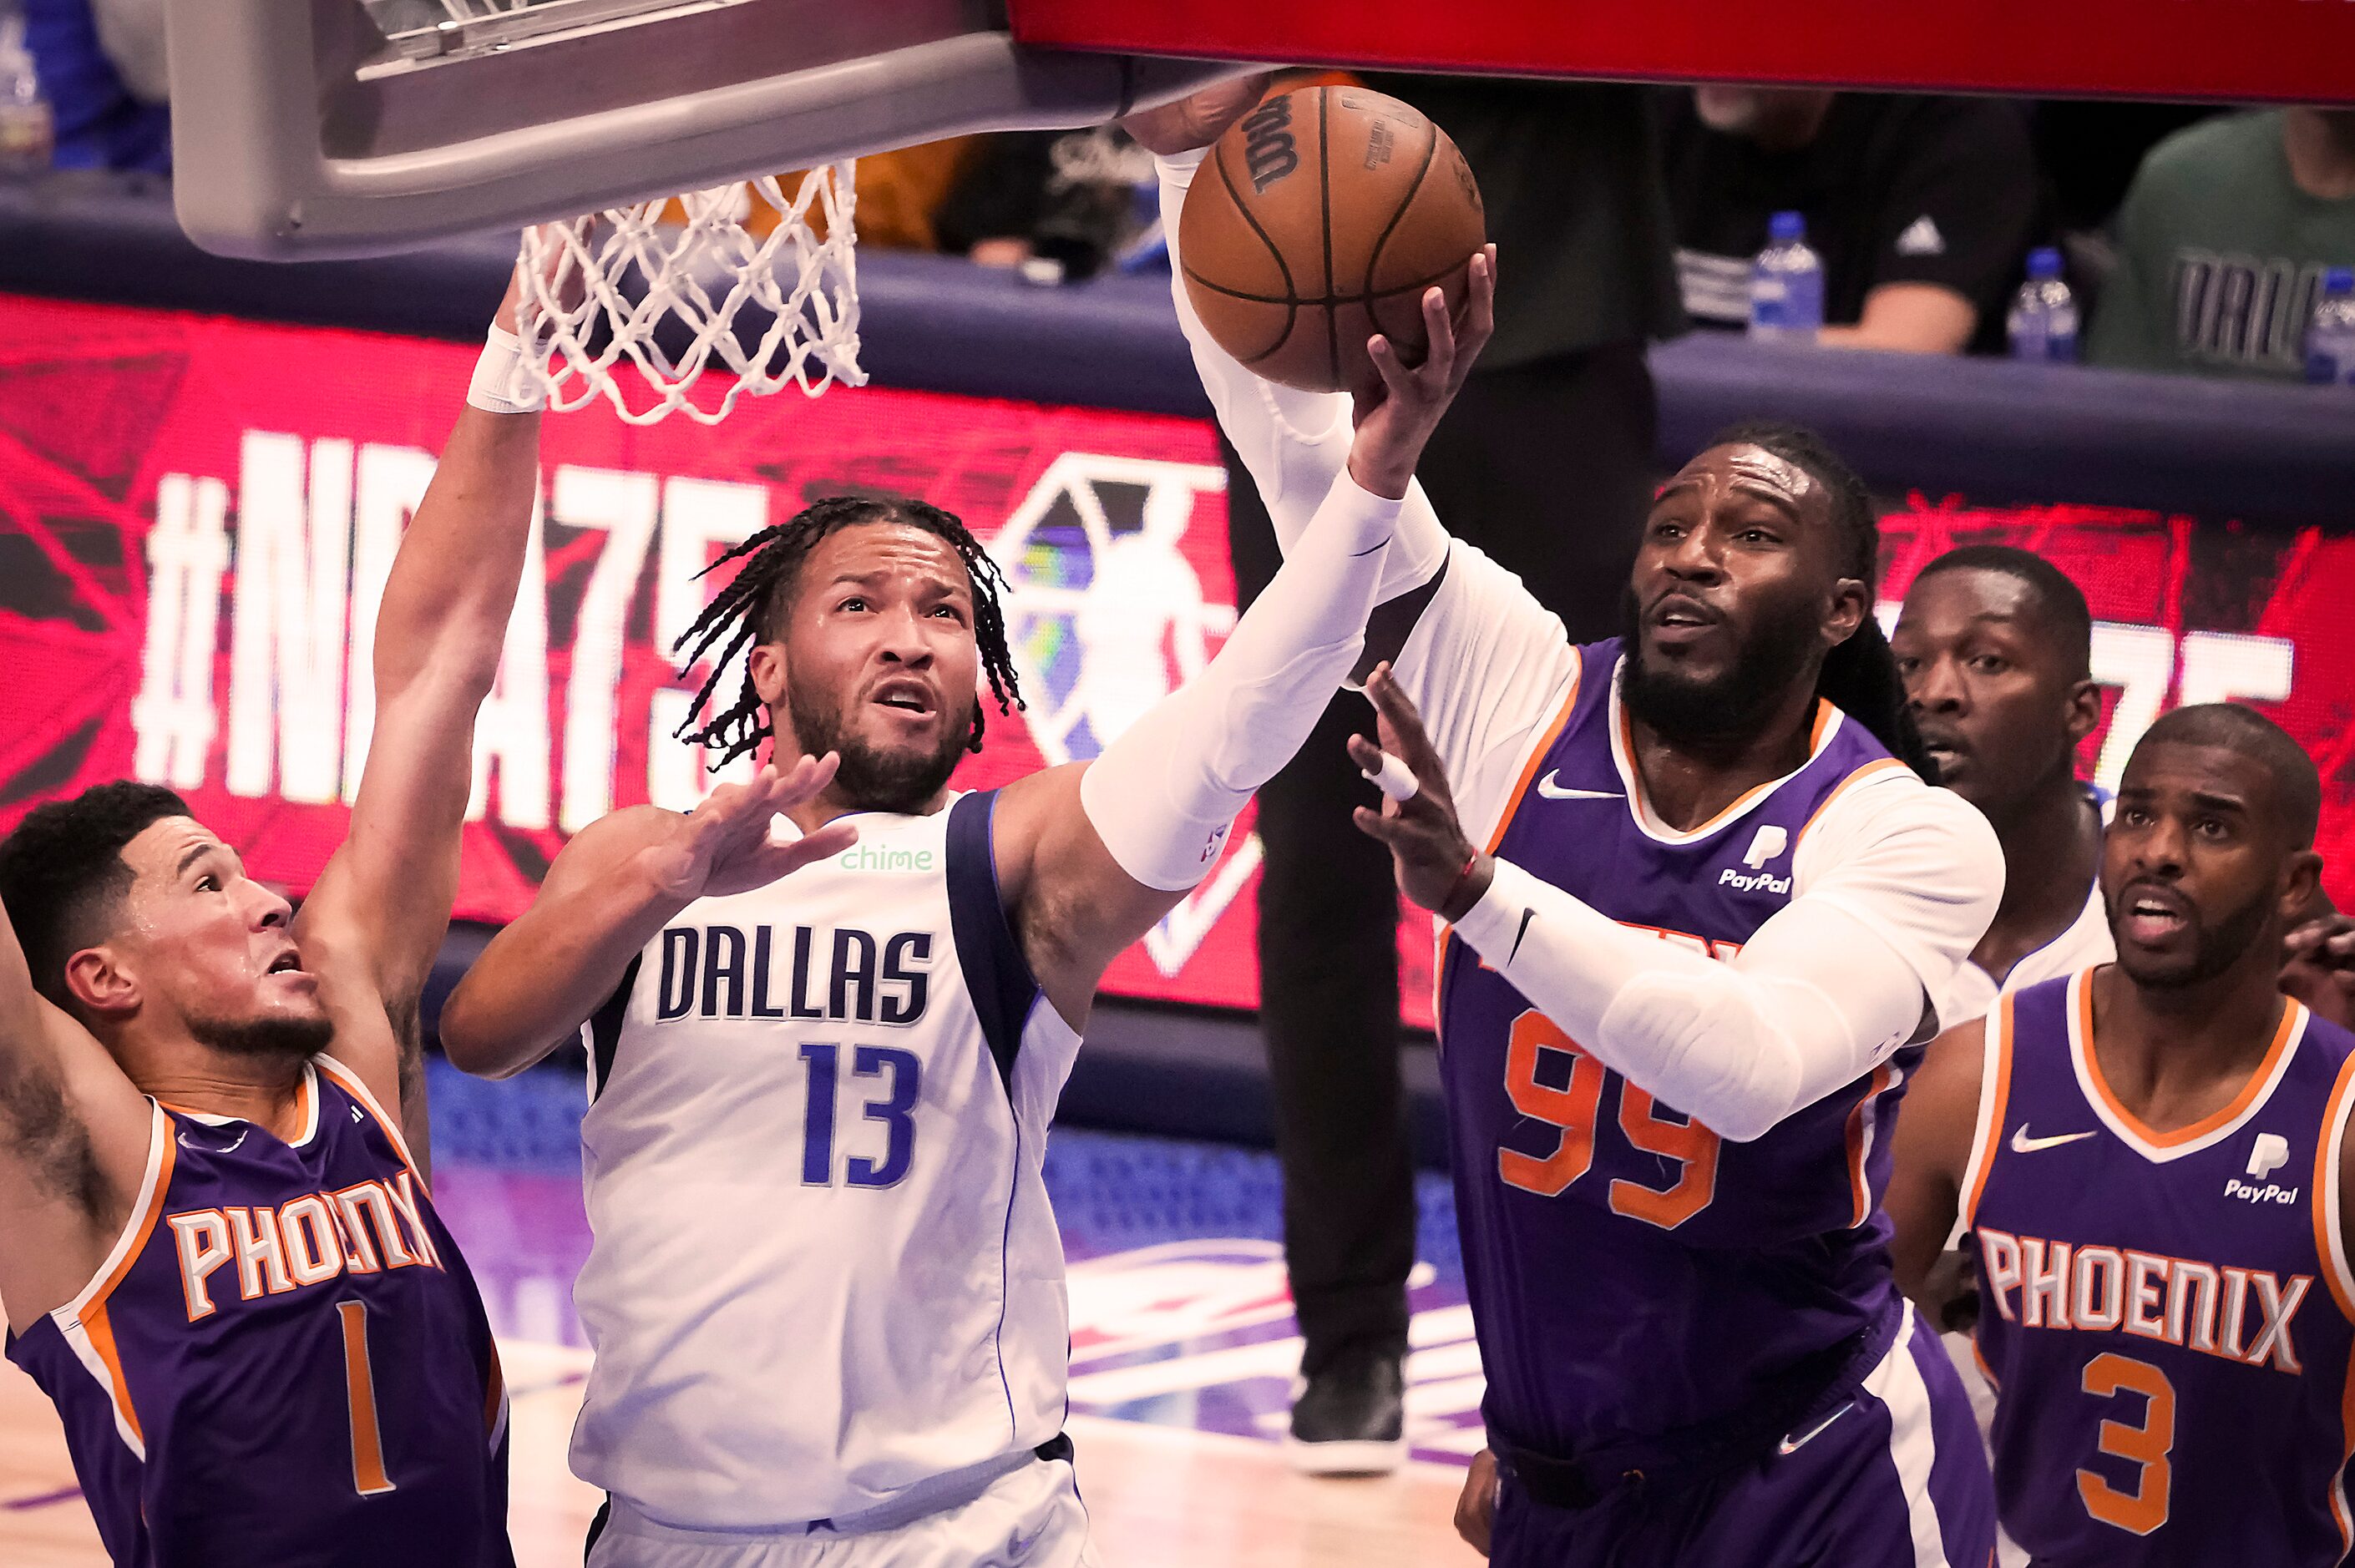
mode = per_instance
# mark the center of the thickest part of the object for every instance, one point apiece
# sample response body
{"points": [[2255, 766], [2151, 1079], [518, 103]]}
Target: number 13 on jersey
{"points": [[1573, 1111], [899, 1075]]}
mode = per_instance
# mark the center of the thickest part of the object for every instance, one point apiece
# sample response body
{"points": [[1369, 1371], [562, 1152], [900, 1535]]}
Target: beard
{"points": [[871, 779], [1735, 703], [272, 1037], [2216, 948]]}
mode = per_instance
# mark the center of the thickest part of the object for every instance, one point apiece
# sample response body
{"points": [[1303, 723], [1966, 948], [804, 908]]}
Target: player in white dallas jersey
{"points": [[826, 1291]]}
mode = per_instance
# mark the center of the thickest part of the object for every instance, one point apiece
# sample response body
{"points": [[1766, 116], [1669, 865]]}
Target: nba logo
{"points": [[1770, 842], [2270, 1153]]}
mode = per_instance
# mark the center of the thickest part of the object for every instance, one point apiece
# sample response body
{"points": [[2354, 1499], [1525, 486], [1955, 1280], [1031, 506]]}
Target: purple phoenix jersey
{"points": [[284, 1360], [2165, 1316], [1634, 1278]]}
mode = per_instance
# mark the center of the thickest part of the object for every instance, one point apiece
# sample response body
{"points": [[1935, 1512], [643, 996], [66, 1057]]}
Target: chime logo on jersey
{"points": [[362, 1229], [2238, 1314], [794, 971]]}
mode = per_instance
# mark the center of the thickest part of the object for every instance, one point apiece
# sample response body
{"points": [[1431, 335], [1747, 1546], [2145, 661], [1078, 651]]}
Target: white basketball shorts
{"points": [[1031, 1517]]}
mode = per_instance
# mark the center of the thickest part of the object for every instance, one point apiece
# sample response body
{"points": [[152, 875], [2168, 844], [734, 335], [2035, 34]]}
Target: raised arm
{"points": [[375, 917], [1488, 664], [610, 890], [1090, 857], [74, 1137], [1895, 885]]}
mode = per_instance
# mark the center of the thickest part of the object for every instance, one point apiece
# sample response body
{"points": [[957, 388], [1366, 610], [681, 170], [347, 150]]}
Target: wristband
{"points": [[500, 385], [1456, 886]]}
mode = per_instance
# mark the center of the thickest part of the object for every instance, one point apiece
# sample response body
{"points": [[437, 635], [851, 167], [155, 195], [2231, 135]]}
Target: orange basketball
{"points": [[1317, 220]]}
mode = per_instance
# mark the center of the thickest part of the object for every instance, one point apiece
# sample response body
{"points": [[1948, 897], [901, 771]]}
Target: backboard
{"points": [[319, 127], [2292, 51]]}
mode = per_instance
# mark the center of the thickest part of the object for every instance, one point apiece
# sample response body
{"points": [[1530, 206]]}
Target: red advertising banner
{"points": [[2292, 51], [197, 516]]}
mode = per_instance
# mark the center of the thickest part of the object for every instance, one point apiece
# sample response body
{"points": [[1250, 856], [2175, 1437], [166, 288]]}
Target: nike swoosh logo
{"points": [[1527, 915], [2023, 1144], [1792, 1445], [1553, 791]]}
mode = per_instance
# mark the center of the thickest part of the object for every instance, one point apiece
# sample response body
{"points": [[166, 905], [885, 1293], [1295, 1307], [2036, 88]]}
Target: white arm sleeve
{"points": [[1894, 886], [1486, 663], [1163, 794]]}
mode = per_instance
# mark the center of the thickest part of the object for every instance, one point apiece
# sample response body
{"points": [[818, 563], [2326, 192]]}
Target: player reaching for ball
{"points": [[218, 1254], [1701, 922], [827, 1291]]}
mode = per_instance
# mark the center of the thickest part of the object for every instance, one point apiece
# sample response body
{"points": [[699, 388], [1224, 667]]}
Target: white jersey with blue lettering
{"points": [[824, 1272]]}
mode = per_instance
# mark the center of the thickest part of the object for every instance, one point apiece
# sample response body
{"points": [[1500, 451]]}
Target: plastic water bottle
{"points": [[28, 129], [2330, 331], [1786, 284], [2044, 313]]}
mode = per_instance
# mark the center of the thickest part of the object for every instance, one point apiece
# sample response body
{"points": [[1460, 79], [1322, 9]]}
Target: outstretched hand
{"points": [[1437, 867], [1396, 415], [724, 846], [2319, 966]]}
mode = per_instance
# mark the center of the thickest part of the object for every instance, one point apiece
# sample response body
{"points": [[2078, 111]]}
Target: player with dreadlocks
{"points": [[827, 1291], [733, 620], [1702, 914]]}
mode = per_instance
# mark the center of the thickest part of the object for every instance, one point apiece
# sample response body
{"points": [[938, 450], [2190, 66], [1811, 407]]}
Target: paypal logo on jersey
{"points": [[2267, 1155], [1770, 843]]}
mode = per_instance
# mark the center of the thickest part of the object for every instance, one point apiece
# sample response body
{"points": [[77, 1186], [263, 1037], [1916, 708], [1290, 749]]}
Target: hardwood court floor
{"points": [[1159, 1497]]}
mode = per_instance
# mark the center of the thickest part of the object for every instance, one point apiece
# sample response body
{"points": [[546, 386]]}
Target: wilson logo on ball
{"points": [[1268, 147]]}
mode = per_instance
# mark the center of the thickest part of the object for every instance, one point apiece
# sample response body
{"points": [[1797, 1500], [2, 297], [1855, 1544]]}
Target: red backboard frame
{"points": [[2299, 51]]}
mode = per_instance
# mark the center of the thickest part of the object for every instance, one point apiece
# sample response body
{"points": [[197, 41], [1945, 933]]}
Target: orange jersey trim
{"points": [[1986, 1371], [2346, 1458], [1625, 728], [2329, 1237], [1440, 929], [1998, 1040], [2259, 1079], [495, 1397], [90, 1312], [144, 1222], [306, 1112], [353, 1086], [1858, 1185], [1870, 770], [1538, 753], [101, 1334]]}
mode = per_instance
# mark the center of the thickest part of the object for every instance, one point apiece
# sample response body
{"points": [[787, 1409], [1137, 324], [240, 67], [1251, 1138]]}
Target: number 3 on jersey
{"points": [[2144, 1509], [895, 1107], [1573, 1111]]}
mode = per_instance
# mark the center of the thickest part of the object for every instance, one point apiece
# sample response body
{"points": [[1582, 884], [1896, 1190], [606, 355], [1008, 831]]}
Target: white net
{"points": [[633, 306]]}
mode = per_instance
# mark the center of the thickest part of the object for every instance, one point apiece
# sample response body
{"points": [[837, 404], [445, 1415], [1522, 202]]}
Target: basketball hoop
{"points": [[664, 297]]}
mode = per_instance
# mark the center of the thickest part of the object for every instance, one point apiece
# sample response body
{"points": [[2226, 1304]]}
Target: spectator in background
{"points": [[101, 63], [1922, 209], [1077, 198], [2222, 242], [1546, 461]]}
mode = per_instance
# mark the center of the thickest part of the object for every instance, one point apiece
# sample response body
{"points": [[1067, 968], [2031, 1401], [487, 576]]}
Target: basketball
{"points": [[1317, 220]]}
